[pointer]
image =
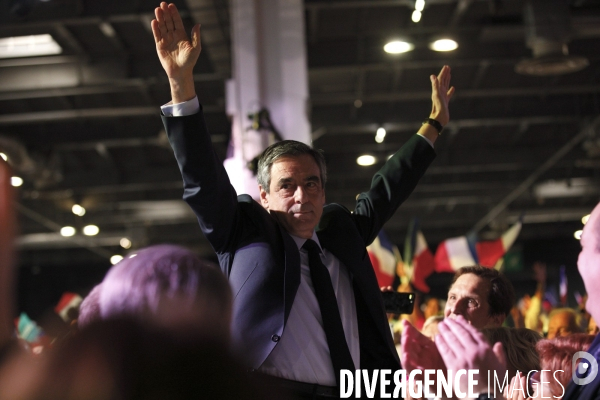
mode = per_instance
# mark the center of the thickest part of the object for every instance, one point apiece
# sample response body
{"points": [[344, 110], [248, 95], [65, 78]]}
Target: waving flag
{"points": [[382, 255], [419, 260], [462, 251], [27, 329], [563, 285], [67, 302]]}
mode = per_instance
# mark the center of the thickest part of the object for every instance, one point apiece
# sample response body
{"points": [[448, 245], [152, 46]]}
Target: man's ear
{"points": [[264, 200]]}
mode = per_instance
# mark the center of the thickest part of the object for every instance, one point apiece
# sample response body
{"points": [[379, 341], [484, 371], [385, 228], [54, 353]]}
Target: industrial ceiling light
{"points": [[67, 231], [90, 230], [78, 210], [16, 181], [116, 259], [416, 16], [398, 47], [125, 243], [380, 135], [444, 44], [366, 160], [548, 30], [419, 5], [28, 46]]}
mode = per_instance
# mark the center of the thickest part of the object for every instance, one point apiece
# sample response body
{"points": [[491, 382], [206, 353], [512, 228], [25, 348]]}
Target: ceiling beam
{"points": [[370, 4], [115, 86], [587, 131], [78, 241], [462, 7], [338, 130], [63, 115], [214, 34], [541, 91]]}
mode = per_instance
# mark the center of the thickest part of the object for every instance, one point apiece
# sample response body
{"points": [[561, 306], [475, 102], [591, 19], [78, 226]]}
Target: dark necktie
{"points": [[330, 313]]}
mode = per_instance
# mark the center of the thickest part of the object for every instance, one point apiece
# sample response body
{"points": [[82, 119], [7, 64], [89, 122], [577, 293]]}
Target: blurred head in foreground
{"points": [[165, 285]]}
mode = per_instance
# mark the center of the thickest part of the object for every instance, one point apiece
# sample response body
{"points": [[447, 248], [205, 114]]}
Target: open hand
{"points": [[417, 351], [441, 93], [177, 53], [462, 346]]}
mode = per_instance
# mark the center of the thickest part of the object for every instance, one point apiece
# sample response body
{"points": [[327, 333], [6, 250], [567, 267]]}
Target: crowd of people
{"points": [[294, 301]]}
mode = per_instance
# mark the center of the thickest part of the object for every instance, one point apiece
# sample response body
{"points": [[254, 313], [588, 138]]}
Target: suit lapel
{"points": [[292, 271], [362, 275]]}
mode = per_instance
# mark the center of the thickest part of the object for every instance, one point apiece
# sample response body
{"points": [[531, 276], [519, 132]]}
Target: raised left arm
{"points": [[399, 176]]}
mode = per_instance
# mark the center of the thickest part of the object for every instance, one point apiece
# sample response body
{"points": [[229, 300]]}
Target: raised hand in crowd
{"points": [[417, 351], [462, 346], [177, 52]]}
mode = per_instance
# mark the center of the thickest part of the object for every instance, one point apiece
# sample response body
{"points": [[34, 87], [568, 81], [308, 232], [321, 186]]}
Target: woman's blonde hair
{"points": [[519, 346]]}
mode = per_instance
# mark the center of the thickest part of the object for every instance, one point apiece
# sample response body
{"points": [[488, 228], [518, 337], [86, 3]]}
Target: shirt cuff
{"points": [[428, 141], [184, 109]]}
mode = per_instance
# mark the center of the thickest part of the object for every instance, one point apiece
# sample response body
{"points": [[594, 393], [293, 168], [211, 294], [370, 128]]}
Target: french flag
{"points": [[464, 251], [419, 259], [383, 257], [66, 303]]}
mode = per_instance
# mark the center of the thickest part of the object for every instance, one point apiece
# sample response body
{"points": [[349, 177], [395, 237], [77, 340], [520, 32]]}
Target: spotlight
{"points": [[416, 16], [398, 46], [366, 160], [585, 219], [90, 230], [16, 181], [4, 156], [443, 45], [125, 243], [380, 135], [78, 210], [577, 234], [67, 231], [115, 259]]}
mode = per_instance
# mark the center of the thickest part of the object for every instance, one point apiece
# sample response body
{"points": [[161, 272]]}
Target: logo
{"points": [[584, 368]]}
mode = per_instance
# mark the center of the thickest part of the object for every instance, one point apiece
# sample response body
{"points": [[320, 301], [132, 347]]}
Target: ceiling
{"points": [[83, 126]]}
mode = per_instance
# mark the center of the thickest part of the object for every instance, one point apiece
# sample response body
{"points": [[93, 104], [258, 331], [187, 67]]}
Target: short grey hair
{"points": [[291, 148]]}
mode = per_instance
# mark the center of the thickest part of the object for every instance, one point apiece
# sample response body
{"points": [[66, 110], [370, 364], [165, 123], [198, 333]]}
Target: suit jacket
{"points": [[261, 260], [591, 390]]}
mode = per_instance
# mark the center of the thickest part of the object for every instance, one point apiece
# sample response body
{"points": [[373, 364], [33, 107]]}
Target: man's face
{"points": [[296, 195], [589, 263], [468, 297], [561, 324]]}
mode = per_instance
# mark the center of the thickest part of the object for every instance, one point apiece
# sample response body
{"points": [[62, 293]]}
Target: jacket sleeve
{"points": [[207, 188], [391, 186]]}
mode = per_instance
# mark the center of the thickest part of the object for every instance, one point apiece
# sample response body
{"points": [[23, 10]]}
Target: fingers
{"points": [[175, 17], [498, 350], [160, 25], [450, 93], [506, 393], [459, 332], [196, 43], [446, 351], [156, 30], [168, 17]]}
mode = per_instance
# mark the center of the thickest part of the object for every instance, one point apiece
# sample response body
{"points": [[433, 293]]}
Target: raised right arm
{"points": [[207, 188]]}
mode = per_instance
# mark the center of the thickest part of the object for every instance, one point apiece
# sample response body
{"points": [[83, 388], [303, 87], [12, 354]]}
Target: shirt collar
{"points": [[300, 241]]}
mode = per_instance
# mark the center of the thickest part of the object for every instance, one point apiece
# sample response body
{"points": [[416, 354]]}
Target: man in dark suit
{"points": [[290, 321], [461, 346]]}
